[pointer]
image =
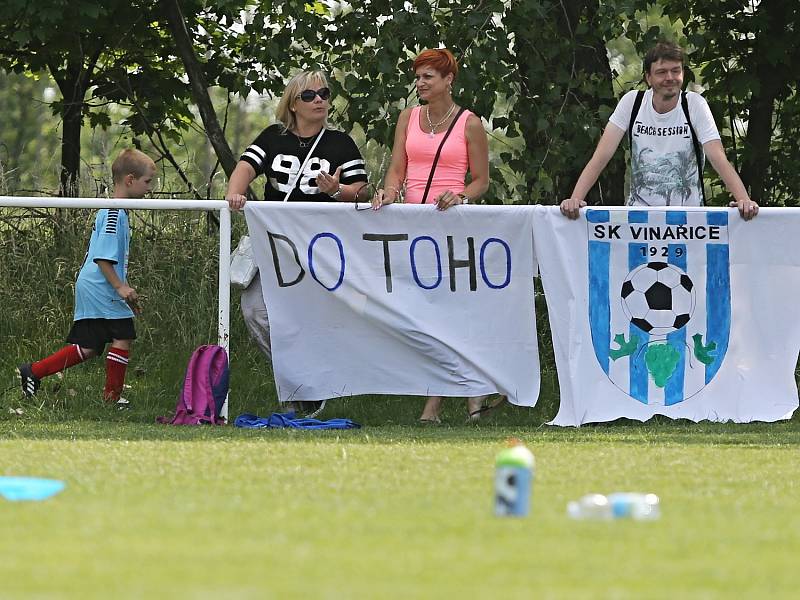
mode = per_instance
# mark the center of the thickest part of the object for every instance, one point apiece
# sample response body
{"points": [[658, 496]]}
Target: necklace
{"points": [[433, 125], [304, 142]]}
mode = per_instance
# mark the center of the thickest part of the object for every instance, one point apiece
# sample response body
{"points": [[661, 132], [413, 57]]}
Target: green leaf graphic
{"points": [[625, 348], [705, 354], [661, 360]]}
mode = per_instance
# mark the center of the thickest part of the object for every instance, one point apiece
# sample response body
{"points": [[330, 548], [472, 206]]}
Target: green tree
{"points": [[566, 94], [26, 148], [108, 52], [537, 71], [184, 36], [68, 39]]}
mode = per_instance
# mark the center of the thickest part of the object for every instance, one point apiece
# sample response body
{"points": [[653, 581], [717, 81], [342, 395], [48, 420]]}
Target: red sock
{"points": [[65, 358], [116, 364]]}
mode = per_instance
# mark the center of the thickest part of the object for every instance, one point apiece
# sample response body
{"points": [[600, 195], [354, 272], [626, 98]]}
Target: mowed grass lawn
{"points": [[396, 512]]}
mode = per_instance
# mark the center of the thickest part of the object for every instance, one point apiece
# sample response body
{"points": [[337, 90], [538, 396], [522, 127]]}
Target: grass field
{"points": [[395, 512]]}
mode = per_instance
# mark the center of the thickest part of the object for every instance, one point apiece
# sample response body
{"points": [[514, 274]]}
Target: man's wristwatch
{"points": [[464, 198], [337, 194]]}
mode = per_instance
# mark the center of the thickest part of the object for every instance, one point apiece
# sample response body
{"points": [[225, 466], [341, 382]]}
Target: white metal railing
{"points": [[224, 294]]}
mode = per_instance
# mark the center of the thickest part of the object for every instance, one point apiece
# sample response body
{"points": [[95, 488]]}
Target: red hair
{"points": [[440, 59]]}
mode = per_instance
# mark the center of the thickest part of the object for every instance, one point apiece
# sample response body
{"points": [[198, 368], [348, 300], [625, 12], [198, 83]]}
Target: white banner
{"points": [[407, 300], [688, 313]]}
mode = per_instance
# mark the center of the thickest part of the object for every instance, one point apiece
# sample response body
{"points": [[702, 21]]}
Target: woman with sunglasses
{"points": [[335, 171], [421, 131]]}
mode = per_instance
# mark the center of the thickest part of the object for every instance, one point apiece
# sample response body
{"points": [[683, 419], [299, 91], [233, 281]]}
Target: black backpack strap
{"points": [[438, 152], [637, 104], [698, 150]]}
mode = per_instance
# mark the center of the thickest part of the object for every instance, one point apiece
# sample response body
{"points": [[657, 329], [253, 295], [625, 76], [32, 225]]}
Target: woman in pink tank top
{"points": [[419, 134]]}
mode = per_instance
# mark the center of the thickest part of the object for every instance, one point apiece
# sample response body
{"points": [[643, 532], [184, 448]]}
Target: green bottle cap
{"points": [[515, 456]]}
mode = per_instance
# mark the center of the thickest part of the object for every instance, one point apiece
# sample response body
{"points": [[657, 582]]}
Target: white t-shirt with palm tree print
{"points": [[663, 162]]}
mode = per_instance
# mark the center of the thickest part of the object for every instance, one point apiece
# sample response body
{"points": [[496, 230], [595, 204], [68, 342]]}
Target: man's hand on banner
{"points": [[571, 207], [747, 208]]}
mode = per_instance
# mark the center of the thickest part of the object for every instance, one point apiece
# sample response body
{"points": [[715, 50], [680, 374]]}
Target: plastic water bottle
{"points": [[514, 467], [594, 507], [620, 505]]}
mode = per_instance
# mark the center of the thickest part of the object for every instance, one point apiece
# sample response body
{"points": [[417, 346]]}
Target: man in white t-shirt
{"points": [[666, 164]]}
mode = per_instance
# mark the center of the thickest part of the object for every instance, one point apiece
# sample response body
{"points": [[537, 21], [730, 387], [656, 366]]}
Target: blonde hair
{"points": [[131, 162], [297, 84]]}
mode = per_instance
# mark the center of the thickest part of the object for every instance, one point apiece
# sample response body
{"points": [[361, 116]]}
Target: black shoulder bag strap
{"points": [[438, 152], [698, 151], [637, 104]]}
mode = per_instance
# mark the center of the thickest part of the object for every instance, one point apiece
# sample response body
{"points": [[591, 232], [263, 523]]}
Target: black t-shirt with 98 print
{"points": [[278, 155]]}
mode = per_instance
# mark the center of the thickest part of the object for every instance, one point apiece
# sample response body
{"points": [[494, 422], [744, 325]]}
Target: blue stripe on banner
{"points": [[673, 393], [676, 217], [597, 216], [637, 216], [637, 255], [717, 218], [718, 304], [599, 308], [718, 295]]}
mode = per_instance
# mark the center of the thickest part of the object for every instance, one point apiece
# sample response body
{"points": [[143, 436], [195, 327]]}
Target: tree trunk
{"points": [[755, 168], [72, 119], [73, 83], [774, 81], [197, 80], [591, 58], [567, 149]]}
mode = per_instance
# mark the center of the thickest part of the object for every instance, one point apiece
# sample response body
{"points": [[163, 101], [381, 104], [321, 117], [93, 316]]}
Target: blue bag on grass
{"points": [[288, 420]]}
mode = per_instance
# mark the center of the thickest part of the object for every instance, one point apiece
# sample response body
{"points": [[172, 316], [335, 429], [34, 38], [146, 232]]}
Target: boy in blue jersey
{"points": [[104, 301]]}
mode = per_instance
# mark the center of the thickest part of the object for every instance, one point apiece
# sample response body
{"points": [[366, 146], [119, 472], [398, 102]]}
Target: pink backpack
{"points": [[205, 388]]}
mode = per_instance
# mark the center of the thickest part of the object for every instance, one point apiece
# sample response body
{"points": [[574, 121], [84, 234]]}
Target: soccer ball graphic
{"points": [[658, 298]]}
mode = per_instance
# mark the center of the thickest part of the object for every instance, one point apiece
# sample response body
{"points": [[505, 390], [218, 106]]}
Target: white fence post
{"points": [[224, 302]]}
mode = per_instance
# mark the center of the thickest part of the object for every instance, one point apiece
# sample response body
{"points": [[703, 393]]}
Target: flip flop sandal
{"points": [[476, 415], [431, 421]]}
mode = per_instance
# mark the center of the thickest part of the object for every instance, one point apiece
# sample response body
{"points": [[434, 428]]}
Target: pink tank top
{"points": [[420, 151]]}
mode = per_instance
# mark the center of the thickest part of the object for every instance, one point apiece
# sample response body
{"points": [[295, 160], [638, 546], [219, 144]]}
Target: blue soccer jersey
{"points": [[94, 296]]}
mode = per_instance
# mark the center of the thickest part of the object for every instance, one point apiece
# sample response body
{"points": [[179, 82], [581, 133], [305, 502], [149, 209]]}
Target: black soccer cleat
{"points": [[30, 383]]}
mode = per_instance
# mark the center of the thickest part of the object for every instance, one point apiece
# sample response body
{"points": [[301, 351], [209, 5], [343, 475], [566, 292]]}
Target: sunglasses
{"points": [[309, 95], [367, 203]]}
